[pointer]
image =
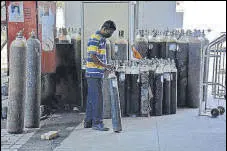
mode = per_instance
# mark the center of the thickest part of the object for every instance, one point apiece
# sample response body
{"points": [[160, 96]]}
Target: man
{"points": [[95, 68]]}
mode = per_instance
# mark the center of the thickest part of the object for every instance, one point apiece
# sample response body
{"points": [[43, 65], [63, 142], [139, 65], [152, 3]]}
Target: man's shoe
{"points": [[100, 127], [87, 124]]}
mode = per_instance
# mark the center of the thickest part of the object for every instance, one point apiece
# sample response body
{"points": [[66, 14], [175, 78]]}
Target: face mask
{"points": [[107, 35]]}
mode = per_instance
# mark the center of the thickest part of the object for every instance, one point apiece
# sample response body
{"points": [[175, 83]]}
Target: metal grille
{"points": [[213, 73]]}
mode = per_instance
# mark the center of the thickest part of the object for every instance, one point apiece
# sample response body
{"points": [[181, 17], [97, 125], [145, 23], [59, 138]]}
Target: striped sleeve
{"points": [[93, 45]]}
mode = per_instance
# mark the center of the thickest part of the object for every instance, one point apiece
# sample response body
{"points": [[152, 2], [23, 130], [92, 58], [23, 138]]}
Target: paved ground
{"points": [[184, 131], [30, 140]]}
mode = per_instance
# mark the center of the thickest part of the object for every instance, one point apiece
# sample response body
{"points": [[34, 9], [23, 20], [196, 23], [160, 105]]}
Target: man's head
{"points": [[108, 28]]}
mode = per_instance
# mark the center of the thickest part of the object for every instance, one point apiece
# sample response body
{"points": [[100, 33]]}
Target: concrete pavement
{"points": [[184, 131]]}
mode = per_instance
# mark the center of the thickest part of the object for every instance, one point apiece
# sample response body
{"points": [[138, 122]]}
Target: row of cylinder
{"points": [[24, 84], [134, 80], [64, 35], [186, 49]]}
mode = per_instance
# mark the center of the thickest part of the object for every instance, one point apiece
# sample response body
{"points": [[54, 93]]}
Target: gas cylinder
{"points": [[115, 103], [120, 51], [17, 61], [76, 41], [33, 82], [173, 104], [166, 94]]}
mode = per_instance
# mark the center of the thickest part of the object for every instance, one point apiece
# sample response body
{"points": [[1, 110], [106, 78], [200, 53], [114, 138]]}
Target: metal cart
{"points": [[213, 85]]}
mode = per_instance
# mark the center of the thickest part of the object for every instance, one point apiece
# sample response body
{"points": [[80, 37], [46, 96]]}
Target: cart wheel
{"points": [[214, 112], [221, 110]]}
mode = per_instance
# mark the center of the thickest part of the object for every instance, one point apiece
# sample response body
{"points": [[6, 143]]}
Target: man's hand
{"points": [[110, 67]]}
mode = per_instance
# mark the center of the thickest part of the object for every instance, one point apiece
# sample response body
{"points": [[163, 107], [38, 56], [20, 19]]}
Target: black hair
{"points": [[109, 24]]}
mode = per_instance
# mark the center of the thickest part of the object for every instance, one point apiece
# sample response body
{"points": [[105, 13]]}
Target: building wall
{"points": [[158, 14], [151, 14], [73, 13]]}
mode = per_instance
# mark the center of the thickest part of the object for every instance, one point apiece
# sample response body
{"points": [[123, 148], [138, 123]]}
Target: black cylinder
{"points": [[158, 94], [173, 103], [79, 82], [154, 50], [132, 94], [33, 83], [194, 71], [17, 62], [182, 68], [166, 94], [48, 88]]}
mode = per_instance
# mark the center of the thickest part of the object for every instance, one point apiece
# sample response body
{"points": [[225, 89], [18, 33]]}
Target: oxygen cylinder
{"points": [[152, 85], [182, 67], [33, 82], [132, 94], [173, 104], [106, 98], [17, 61], [121, 87], [166, 94], [196, 48], [115, 103], [154, 47], [146, 94], [121, 48], [158, 94], [76, 41]]}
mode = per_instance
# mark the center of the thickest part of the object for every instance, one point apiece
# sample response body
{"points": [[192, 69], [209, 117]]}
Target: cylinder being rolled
{"points": [[33, 83], [17, 65], [115, 103]]}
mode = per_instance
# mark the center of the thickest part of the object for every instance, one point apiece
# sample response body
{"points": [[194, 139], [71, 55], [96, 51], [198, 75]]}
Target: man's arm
{"points": [[99, 62]]}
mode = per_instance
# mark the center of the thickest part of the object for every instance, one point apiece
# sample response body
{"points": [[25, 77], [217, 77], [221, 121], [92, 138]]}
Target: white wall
{"points": [[152, 14], [73, 13], [158, 14]]}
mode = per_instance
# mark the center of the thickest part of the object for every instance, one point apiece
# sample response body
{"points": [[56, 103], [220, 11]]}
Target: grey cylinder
{"points": [[115, 104], [15, 119], [106, 99], [166, 94], [33, 83], [121, 88]]}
